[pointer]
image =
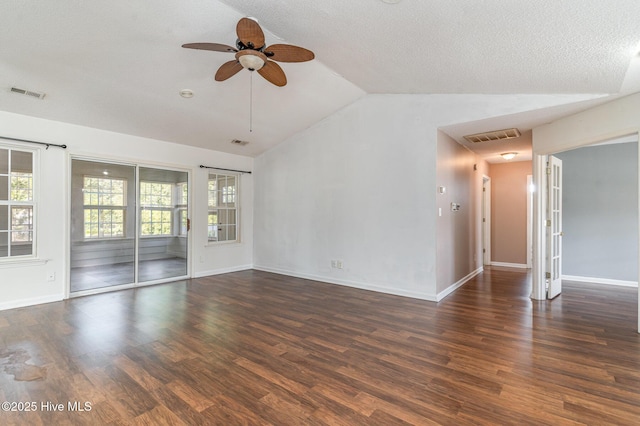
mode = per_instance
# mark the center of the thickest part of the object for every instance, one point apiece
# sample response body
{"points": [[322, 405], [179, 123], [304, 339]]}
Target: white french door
{"points": [[554, 227]]}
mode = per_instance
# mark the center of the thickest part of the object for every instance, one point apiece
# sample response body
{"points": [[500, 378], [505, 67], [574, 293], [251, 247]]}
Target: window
{"points": [[17, 203], [156, 217], [223, 208], [183, 196], [104, 203]]}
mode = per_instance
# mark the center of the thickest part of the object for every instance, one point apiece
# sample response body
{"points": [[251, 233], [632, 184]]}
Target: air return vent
{"points": [[239, 142], [26, 92], [495, 135]]}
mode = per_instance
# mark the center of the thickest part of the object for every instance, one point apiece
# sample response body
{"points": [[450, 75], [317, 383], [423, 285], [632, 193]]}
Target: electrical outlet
{"points": [[51, 276], [339, 264], [334, 263]]}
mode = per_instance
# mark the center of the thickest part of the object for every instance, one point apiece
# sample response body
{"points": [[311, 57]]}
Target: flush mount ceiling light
{"points": [[508, 155], [186, 93]]}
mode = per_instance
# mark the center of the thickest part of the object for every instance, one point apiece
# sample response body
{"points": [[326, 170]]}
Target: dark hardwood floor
{"points": [[255, 348]]}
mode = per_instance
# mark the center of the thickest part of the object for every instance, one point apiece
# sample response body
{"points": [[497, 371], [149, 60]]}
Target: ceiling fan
{"points": [[252, 54]]}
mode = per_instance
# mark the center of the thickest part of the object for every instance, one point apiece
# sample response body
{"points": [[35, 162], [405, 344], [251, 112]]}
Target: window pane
{"points": [[229, 192], [222, 217], [212, 225], [222, 233], [21, 224], [183, 222], [4, 188], [22, 249], [231, 235], [21, 186], [213, 188], [4, 218], [184, 193], [22, 162], [4, 161], [156, 194], [231, 216], [4, 246]]}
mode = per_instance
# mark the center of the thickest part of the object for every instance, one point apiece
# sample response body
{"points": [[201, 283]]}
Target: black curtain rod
{"points": [[220, 168], [38, 143]]}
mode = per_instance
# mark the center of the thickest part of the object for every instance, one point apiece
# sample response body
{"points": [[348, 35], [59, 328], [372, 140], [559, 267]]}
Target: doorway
{"points": [[129, 226], [604, 232]]}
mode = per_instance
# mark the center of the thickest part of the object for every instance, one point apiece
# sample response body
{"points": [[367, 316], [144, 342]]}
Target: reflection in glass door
{"points": [[129, 225], [164, 224], [102, 225]]}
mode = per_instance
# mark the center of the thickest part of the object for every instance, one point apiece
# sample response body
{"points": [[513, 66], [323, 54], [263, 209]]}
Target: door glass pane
{"points": [[102, 225], [162, 251]]}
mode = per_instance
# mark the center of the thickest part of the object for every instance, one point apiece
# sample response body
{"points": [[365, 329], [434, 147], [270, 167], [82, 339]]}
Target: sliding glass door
{"points": [[164, 224], [129, 225]]}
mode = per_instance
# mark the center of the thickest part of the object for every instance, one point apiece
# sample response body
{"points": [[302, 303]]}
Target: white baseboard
{"points": [[510, 265], [210, 272], [605, 281], [453, 287], [348, 283], [30, 302]]}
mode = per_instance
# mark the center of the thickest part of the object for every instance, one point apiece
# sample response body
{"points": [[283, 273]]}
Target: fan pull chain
{"points": [[251, 103]]}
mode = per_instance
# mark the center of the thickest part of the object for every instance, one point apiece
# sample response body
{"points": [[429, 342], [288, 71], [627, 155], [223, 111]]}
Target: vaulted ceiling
{"points": [[118, 65]]}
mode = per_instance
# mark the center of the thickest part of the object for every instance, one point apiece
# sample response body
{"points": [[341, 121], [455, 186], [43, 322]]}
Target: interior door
{"points": [[554, 227]]}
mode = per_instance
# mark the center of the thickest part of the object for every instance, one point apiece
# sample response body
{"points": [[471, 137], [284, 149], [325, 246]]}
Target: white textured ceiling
{"points": [[118, 65]]}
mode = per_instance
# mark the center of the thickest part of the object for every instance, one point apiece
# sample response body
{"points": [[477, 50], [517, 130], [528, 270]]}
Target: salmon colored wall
{"points": [[509, 211]]}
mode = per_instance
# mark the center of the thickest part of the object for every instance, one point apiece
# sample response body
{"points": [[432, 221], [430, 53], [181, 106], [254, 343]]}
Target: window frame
{"points": [[105, 207], [169, 208], [220, 207], [30, 204]]}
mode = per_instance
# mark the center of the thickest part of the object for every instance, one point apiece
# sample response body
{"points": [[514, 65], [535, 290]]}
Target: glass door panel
{"points": [[163, 224], [102, 225]]}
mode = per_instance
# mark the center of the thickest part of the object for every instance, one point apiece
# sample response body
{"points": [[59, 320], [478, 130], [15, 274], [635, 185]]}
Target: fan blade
{"points": [[216, 47], [273, 73], [227, 70], [288, 53], [250, 33]]}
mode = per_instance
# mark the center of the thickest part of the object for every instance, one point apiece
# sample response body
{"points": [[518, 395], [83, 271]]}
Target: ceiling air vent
{"points": [[496, 135], [239, 142], [25, 92]]}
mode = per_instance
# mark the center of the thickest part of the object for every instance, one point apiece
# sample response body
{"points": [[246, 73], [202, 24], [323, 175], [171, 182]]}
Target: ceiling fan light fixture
{"points": [[251, 60], [508, 155]]}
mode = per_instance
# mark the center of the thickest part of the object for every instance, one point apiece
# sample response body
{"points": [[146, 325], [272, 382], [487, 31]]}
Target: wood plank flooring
{"points": [[253, 348]]}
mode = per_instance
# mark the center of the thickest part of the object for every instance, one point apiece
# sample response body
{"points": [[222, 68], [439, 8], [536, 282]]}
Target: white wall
{"points": [[23, 284], [360, 187]]}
